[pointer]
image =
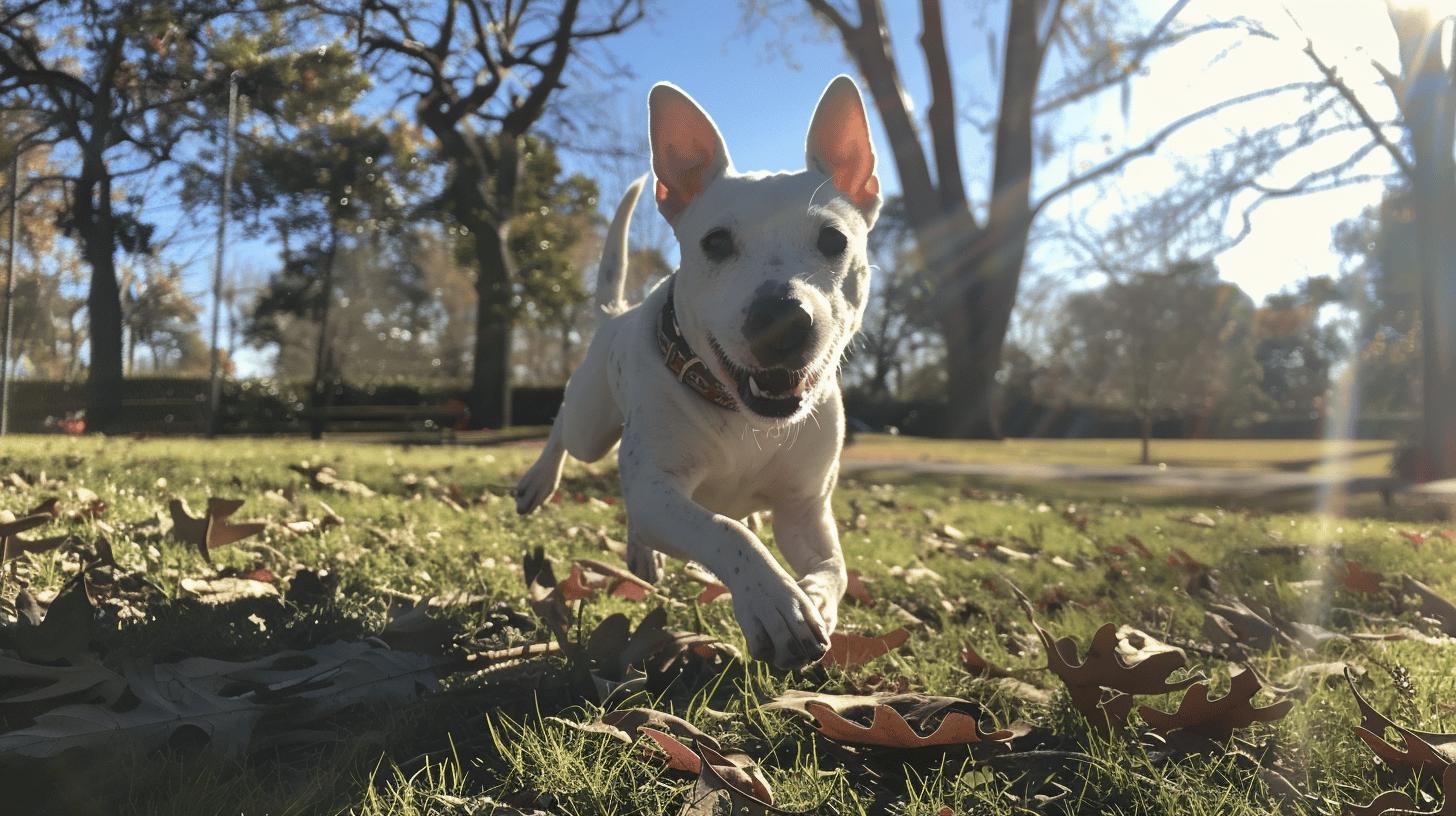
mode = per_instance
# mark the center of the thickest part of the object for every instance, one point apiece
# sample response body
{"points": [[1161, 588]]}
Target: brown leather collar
{"points": [[688, 367]]}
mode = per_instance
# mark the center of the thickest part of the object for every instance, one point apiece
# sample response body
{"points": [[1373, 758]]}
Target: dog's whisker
{"points": [[815, 194]]}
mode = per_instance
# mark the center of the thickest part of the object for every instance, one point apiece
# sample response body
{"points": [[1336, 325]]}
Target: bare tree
{"points": [[1232, 183], [482, 73], [1425, 91], [974, 255]]}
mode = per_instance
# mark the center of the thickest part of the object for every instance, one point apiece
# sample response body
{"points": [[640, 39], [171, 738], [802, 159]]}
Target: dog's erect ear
{"points": [[839, 145], [687, 151]]}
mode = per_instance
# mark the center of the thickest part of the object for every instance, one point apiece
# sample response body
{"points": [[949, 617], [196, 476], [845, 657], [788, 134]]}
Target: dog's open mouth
{"points": [[774, 392], [777, 393]]}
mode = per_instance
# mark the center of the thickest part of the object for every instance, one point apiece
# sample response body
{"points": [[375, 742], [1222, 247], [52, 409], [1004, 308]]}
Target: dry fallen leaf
{"points": [[849, 650], [64, 633], [729, 783], [1235, 624], [47, 507], [713, 589], [12, 545], [889, 730], [323, 477], [1426, 753], [980, 666], [1180, 559], [624, 724], [1356, 578], [542, 596], [1103, 667], [212, 530], [1137, 544], [1199, 520], [227, 702], [41, 683], [1433, 605], [228, 589], [679, 756], [573, 587], [855, 588], [885, 719], [1217, 718], [412, 629], [616, 581], [1399, 803]]}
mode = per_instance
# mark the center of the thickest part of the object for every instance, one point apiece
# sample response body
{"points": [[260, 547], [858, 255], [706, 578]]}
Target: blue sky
{"points": [[760, 83], [762, 103]]}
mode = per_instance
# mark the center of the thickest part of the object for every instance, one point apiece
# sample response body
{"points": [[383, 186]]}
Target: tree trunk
{"points": [[1147, 434], [92, 208], [978, 299], [566, 346], [323, 363], [1438, 323], [490, 388], [1430, 111]]}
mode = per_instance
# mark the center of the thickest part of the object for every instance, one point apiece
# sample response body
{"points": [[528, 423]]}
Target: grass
{"points": [[1349, 457], [486, 739]]}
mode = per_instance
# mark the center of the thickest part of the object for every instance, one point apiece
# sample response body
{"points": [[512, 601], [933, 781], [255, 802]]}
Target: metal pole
{"points": [[214, 402], [10, 292]]}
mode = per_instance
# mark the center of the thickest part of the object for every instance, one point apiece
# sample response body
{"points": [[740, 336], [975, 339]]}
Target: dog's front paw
{"points": [[536, 486], [825, 595], [781, 624], [643, 561]]}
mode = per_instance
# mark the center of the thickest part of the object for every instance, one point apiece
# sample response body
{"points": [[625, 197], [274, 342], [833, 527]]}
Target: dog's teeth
{"points": [[753, 388]]}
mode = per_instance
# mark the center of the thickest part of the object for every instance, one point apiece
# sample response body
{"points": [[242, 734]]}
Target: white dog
{"points": [[722, 385]]}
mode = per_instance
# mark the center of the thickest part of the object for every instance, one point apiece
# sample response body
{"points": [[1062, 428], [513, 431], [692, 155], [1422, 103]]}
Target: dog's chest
{"points": [[732, 495]]}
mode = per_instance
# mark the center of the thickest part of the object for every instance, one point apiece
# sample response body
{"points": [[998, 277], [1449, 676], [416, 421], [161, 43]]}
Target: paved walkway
{"points": [[1199, 480]]}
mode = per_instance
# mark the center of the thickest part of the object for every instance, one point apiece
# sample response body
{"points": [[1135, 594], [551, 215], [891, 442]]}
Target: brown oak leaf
{"points": [[888, 729], [1426, 753], [849, 650], [1103, 667], [212, 529], [1217, 718]]}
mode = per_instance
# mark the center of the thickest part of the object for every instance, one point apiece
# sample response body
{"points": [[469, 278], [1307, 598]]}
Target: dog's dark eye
{"points": [[831, 242], [718, 245]]}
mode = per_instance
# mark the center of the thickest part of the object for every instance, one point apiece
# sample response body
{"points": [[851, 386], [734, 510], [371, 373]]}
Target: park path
{"points": [[1223, 481]]}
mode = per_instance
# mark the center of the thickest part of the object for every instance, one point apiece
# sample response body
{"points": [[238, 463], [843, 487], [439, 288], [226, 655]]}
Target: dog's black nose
{"points": [[777, 331]]}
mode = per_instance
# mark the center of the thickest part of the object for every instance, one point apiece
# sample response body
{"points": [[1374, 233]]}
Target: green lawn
{"points": [[921, 544], [1349, 457]]}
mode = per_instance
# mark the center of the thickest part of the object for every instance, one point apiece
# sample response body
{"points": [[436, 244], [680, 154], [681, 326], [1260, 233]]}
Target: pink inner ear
{"points": [[851, 166], [687, 179], [686, 151], [841, 145]]}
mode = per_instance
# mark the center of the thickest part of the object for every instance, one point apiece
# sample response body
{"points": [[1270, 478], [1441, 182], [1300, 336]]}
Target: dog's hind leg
{"points": [[542, 479], [587, 427], [593, 423]]}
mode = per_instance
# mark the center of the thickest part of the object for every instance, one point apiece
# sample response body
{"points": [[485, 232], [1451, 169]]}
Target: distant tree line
{"points": [[444, 240]]}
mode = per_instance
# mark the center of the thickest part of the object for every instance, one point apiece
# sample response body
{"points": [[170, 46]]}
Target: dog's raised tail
{"points": [[612, 273]]}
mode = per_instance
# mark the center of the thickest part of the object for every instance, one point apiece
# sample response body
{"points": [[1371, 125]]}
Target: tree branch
{"points": [[1376, 131], [942, 114], [867, 46], [1070, 93], [834, 17], [1151, 145]]}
